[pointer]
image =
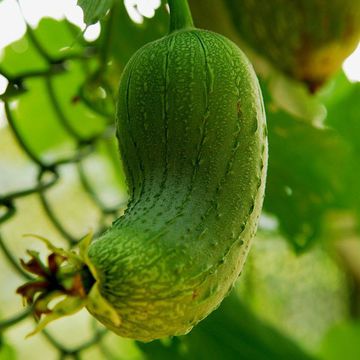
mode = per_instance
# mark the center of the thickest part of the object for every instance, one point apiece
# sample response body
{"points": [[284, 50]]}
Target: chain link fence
{"points": [[49, 169]]}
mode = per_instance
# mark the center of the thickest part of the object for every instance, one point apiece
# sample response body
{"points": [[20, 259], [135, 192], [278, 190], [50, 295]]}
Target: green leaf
{"points": [[344, 115], [37, 121], [63, 91], [342, 342], [94, 10], [306, 176], [58, 38], [48, 112], [22, 57], [232, 332]]}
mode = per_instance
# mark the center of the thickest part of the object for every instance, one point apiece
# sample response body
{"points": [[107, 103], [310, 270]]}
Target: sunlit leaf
{"points": [[94, 10], [22, 57], [37, 121], [59, 38], [63, 91]]}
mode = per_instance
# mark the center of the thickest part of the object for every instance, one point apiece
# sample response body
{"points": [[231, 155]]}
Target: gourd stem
{"points": [[180, 15]]}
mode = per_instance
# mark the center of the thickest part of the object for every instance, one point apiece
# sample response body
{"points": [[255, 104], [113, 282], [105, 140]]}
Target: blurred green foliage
{"points": [[6, 351], [342, 342], [94, 10]]}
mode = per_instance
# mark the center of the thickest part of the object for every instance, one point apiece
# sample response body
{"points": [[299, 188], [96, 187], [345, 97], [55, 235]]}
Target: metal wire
{"points": [[48, 172]]}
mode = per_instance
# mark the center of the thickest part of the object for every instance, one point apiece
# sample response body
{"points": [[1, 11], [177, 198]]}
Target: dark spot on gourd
{"points": [[251, 209], [238, 104]]}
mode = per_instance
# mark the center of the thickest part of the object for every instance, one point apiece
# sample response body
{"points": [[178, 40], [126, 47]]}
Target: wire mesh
{"points": [[49, 171]]}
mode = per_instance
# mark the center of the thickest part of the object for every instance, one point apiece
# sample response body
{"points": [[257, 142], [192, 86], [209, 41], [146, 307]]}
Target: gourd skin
{"points": [[307, 39], [192, 137]]}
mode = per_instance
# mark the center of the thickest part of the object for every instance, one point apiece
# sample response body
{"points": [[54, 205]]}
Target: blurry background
{"points": [[299, 295]]}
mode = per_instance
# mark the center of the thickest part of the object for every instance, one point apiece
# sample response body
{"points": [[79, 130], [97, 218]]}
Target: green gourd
{"points": [[191, 129], [306, 39]]}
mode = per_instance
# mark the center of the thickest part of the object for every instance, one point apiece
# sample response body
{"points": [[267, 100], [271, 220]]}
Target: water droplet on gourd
{"points": [[215, 243]]}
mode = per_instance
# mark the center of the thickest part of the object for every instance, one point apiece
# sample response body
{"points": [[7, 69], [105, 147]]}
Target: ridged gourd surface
{"points": [[308, 39], [192, 136]]}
